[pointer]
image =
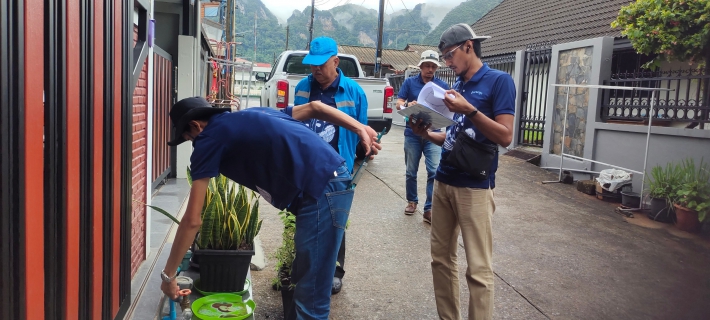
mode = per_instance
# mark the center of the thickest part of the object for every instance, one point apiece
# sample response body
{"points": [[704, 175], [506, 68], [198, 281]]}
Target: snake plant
{"points": [[230, 216]]}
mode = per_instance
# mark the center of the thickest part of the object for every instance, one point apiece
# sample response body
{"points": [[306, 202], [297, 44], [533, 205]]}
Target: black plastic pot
{"points": [[661, 211], [223, 270], [630, 199], [289, 305]]}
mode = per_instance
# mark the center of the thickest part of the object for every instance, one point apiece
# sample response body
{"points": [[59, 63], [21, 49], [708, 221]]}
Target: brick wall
{"points": [[139, 165]]}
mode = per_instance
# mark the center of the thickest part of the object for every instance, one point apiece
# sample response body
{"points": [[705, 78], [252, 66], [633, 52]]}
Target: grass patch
{"points": [[531, 136]]}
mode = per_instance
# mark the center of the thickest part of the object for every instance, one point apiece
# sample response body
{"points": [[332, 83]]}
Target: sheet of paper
{"points": [[432, 96], [419, 111]]}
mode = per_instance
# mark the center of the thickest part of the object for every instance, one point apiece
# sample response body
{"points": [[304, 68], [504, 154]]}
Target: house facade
{"points": [[558, 43], [86, 87], [542, 44]]}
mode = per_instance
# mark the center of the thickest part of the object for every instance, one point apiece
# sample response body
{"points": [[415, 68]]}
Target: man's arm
{"points": [[423, 131], [401, 103], [189, 225], [322, 111], [498, 130]]}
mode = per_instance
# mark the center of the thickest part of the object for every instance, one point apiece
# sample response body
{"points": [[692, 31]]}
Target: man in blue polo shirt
{"points": [[415, 145], [484, 103], [274, 154], [329, 85]]}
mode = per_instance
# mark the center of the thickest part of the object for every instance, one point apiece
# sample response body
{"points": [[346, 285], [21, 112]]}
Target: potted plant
{"points": [[662, 186], [284, 256], [692, 197], [225, 242]]}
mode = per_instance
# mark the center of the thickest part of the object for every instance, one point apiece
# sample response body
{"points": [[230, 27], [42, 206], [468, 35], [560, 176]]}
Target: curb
{"points": [[258, 261]]}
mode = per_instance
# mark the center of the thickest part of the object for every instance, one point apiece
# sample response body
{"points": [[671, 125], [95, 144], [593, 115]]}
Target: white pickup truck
{"points": [[289, 69]]}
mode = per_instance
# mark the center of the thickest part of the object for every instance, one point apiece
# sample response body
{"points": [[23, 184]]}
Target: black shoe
{"points": [[337, 285]]}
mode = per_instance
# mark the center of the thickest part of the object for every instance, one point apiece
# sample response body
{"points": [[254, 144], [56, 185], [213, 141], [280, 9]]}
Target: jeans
{"points": [[320, 225], [414, 146]]}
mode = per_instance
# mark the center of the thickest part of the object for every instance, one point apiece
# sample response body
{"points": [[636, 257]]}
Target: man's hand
{"points": [[458, 103], [419, 128], [170, 289], [368, 139]]}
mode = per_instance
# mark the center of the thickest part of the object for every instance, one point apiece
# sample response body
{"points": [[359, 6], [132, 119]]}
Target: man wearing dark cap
{"points": [[273, 153], [484, 102], [329, 85]]}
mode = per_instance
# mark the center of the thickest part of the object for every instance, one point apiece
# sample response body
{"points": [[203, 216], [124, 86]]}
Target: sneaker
{"points": [[427, 216], [337, 285], [411, 207]]}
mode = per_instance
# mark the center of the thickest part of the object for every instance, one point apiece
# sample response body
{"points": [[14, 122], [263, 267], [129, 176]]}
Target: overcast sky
{"points": [[283, 9]]}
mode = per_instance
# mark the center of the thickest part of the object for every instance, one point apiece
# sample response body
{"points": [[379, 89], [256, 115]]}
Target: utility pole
{"points": [[286, 39], [254, 36], [229, 36], [378, 55], [310, 25]]}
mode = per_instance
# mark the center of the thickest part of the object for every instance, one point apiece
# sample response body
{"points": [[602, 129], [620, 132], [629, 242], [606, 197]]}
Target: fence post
{"points": [[518, 80]]}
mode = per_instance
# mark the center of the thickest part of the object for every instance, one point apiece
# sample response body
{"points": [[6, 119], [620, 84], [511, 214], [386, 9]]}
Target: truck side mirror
{"points": [[261, 76]]}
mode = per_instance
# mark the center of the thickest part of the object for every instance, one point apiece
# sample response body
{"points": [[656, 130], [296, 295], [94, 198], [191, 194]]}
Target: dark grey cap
{"points": [[458, 33]]}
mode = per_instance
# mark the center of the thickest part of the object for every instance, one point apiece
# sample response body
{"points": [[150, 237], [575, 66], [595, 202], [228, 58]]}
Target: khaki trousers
{"points": [[469, 211]]}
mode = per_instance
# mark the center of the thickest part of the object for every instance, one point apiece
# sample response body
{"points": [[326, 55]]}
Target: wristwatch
{"points": [[473, 113], [167, 278]]}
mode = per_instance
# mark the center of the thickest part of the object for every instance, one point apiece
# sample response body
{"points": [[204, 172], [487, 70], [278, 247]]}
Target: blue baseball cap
{"points": [[322, 48]]}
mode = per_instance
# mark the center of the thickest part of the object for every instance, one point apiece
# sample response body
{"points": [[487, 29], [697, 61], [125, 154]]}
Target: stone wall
{"points": [[575, 67]]}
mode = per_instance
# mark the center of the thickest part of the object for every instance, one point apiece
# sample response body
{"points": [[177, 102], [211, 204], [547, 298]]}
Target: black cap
{"points": [[189, 109], [456, 34]]}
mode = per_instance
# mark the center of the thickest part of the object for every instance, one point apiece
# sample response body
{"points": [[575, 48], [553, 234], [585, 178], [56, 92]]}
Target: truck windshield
{"points": [[294, 65]]}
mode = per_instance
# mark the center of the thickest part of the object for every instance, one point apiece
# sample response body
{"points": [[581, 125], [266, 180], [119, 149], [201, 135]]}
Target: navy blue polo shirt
{"points": [[409, 91], [492, 92], [326, 130], [267, 151]]}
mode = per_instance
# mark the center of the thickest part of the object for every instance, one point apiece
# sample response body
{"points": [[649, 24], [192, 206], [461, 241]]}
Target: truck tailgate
{"points": [[375, 92]]}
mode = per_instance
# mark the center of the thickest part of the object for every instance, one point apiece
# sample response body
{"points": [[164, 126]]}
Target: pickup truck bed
{"points": [[288, 71]]}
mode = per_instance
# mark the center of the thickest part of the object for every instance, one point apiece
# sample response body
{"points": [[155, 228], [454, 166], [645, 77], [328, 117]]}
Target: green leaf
{"points": [[228, 215], [165, 213], [208, 225], [159, 209]]}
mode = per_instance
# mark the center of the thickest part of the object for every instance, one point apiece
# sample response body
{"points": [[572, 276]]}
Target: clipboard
{"points": [[428, 115]]}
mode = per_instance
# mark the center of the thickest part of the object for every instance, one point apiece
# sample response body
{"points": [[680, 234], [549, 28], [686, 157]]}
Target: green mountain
{"points": [[348, 24], [406, 27], [324, 24], [466, 12]]}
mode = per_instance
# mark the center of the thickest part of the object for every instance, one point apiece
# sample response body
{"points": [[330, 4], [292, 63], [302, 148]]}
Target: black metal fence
{"points": [[536, 72], [684, 104], [445, 74], [502, 62]]}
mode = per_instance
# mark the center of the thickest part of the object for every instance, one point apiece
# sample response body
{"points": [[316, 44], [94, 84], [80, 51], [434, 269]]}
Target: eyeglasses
{"points": [[447, 56]]}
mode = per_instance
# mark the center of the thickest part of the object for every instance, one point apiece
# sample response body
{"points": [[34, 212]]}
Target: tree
{"points": [[672, 29]]}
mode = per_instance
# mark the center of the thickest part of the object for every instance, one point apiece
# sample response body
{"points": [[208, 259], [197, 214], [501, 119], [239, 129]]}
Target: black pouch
{"points": [[471, 156]]}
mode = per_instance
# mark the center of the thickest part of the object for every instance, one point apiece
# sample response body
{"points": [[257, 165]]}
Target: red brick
{"points": [[139, 167]]}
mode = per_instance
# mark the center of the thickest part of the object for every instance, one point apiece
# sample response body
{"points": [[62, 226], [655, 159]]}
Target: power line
{"points": [[390, 3], [410, 15]]}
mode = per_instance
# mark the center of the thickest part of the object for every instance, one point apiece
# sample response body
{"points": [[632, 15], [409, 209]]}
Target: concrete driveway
{"points": [[558, 254]]}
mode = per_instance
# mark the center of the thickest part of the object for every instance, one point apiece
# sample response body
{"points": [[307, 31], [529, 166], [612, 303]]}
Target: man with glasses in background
{"points": [[415, 145], [483, 100]]}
